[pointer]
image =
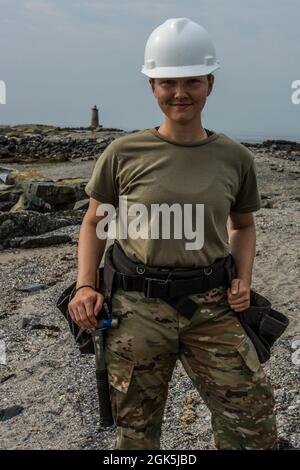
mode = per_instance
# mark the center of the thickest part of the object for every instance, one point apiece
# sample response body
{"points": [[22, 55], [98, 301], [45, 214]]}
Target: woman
{"points": [[178, 173]]}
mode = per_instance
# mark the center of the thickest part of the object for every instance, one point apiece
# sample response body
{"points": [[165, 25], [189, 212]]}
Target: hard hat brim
{"points": [[179, 72]]}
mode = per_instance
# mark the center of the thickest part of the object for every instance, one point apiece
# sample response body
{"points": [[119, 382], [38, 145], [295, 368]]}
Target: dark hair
{"points": [[210, 75]]}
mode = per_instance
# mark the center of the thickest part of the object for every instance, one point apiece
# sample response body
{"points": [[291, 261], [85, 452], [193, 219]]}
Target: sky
{"points": [[58, 58]]}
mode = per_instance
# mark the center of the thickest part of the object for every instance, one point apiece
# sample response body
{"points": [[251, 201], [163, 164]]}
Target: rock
{"points": [[281, 144], [34, 324], [38, 241], [8, 196], [4, 172], [32, 288], [268, 195], [267, 204], [7, 377], [284, 444], [33, 223], [21, 179], [6, 206], [28, 144], [71, 181], [6, 228], [85, 159], [8, 413], [295, 155], [30, 202], [41, 326], [9, 193], [81, 205], [294, 409], [60, 194], [23, 322]]}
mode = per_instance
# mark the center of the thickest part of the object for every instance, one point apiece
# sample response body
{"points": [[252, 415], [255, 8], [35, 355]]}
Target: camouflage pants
{"points": [[217, 355]]}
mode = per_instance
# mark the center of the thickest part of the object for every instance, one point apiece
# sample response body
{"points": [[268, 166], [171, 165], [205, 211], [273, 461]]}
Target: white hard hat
{"points": [[179, 48]]}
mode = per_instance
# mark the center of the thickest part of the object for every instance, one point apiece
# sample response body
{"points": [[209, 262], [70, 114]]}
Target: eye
{"points": [[167, 82]]}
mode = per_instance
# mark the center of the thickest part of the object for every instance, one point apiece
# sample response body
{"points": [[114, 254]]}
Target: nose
{"points": [[180, 91]]}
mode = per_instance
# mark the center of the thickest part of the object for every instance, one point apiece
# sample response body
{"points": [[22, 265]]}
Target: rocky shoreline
{"points": [[24, 144], [52, 386]]}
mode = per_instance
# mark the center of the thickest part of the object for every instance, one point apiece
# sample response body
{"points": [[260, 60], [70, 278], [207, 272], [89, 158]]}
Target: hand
{"points": [[238, 295], [84, 308]]}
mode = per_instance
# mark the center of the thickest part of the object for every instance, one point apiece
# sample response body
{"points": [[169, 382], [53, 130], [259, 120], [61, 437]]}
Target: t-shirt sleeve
{"points": [[248, 198], [103, 184]]}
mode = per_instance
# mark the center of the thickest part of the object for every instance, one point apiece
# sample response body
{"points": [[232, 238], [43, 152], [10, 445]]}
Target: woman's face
{"points": [[182, 99]]}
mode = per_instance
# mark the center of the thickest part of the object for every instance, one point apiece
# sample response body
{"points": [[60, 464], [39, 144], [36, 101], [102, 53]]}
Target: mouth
{"points": [[181, 105]]}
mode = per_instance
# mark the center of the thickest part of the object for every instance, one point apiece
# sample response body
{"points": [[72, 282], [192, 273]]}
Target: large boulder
{"points": [[5, 188], [39, 193], [47, 239], [9, 195], [31, 202], [6, 206], [61, 194], [23, 178], [24, 223]]}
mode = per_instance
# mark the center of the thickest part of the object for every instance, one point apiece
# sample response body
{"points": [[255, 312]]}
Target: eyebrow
{"points": [[174, 80]]}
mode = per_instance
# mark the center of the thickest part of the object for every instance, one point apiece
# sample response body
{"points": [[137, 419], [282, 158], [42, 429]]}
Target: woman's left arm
{"points": [[242, 240]]}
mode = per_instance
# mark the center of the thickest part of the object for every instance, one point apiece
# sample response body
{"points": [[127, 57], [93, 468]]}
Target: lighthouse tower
{"points": [[95, 117]]}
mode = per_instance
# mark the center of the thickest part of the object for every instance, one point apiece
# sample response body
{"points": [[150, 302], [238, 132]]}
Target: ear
{"points": [[211, 80], [152, 84]]}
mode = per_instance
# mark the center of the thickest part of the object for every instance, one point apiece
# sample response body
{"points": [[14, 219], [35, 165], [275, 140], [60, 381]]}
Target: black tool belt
{"points": [[172, 285], [262, 324]]}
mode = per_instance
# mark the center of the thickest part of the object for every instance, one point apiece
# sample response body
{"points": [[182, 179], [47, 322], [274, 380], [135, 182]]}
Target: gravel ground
{"points": [[46, 375]]}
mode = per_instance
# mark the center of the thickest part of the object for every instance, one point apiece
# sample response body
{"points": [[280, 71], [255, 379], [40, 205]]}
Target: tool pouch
{"points": [[262, 324], [83, 338]]}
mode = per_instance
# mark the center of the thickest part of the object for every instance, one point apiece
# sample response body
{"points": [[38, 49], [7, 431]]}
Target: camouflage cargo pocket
{"points": [[124, 394], [119, 370]]}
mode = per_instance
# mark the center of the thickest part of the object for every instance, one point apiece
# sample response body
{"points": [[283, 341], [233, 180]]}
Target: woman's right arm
{"points": [[87, 303]]}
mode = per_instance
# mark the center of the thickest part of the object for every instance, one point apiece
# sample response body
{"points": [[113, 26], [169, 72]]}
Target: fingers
{"points": [[87, 315], [82, 308], [238, 295], [98, 304], [82, 319], [235, 286], [240, 307], [240, 304]]}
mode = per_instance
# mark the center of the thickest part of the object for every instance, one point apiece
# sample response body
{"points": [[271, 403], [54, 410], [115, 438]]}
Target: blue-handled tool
{"points": [[106, 418]]}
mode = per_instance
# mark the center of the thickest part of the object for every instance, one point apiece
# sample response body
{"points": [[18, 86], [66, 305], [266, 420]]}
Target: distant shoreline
{"points": [[248, 139]]}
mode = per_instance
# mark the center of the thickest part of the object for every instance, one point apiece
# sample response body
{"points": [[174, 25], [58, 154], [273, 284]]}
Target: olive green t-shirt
{"points": [[206, 180]]}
